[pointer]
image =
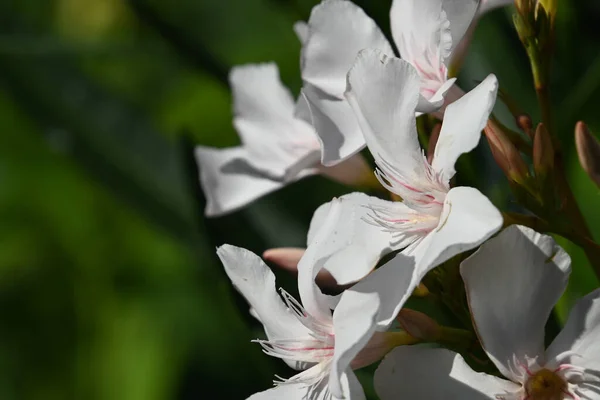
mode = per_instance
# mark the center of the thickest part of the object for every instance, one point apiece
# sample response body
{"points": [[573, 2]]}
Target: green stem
{"points": [[400, 338], [540, 67], [455, 337], [543, 96], [530, 221], [577, 222]]}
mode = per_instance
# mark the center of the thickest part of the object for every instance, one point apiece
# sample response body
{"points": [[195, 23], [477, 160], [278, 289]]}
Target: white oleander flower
{"points": [[425, 33], [512, 282], [278, 146], [324, 346], [433, 222]]}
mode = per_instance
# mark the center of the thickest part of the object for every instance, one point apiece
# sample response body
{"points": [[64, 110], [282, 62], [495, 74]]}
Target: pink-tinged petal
{"points": [[338, 30], [581, 336], [463, 122], [356, 241], [513, 281], [383, 92], [393, 282], [417, 372], [264, 118], [468, 219], [228, 180], [335, 124], [255, 281], [354, 322]]}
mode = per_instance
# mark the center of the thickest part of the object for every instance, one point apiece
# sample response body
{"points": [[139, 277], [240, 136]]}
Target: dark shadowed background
{"points": [[109, 284]]}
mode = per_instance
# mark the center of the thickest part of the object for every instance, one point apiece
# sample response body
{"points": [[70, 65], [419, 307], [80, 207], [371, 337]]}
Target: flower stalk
{"points": [[534, 22]]}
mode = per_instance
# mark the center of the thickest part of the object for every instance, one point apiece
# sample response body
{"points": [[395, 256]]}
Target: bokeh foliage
{"points": [[109, 286]]}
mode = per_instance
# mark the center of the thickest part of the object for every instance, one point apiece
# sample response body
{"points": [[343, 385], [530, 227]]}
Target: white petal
{"points": [[354, 387], [467, 220], [489, 5], [301, 31], [255, 281], [434, 26], [313, 300], [289, 391], [393, 282], [229, 182], [460, 14], [336, 126], [355, 243], [338, 30], [419, 28], [581, 334], [513, 281], [351, 389], [434, 374], [354, 322], [302, 111], [264, 118], [384, 92], [436, 101], [463, 122]]}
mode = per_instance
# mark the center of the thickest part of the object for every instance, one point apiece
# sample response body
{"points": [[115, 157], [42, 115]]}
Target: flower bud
{"points": [[505, 153], [418, 325], [588, 150], [543, 152], [524, 7], [534, 23], [524, 20], [287, 258], [525, 124], [548, 7]]}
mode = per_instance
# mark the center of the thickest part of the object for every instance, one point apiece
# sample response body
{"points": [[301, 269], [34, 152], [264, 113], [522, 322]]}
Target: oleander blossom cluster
{"points": [[375, 252]]}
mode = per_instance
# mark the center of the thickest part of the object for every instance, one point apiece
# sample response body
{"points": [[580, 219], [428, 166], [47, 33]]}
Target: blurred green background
{"points": [[109, 285]]}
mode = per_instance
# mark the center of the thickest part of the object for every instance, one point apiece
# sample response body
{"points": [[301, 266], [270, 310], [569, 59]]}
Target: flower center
{"points": [[545, 385]]}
